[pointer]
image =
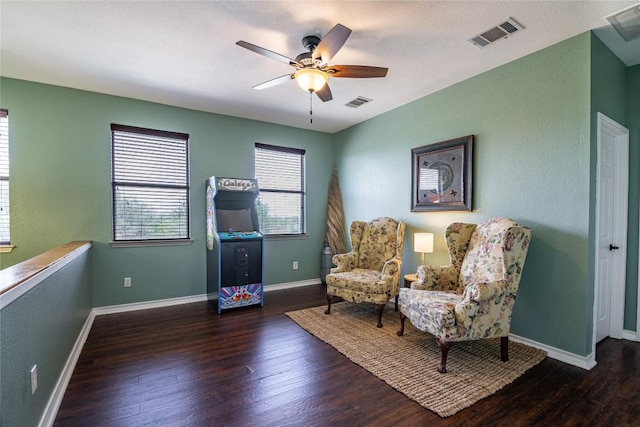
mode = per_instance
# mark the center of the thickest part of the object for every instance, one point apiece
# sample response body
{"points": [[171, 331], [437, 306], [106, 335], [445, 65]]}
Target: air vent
{"points": [[627, 23], [361, 100], [499, 32]]}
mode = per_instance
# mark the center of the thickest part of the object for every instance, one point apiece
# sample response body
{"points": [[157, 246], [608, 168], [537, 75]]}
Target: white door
{"points": [[611, 228], [606, 270]]}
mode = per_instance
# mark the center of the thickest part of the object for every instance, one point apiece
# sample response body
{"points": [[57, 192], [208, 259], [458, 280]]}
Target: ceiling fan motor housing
{"points": [[307, 60], [310, 42]]}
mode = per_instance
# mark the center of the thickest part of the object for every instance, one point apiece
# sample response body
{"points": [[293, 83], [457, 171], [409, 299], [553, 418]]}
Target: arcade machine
{"points": [[234, 243]]}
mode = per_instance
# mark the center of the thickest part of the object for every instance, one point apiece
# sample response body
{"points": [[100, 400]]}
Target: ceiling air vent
{"points": [[627, 22], [361, 100], [499, 32]]}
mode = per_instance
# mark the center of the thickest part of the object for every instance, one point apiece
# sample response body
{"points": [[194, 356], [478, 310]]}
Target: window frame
{"points": [[161, 241], [5, 245], [302, 192]]}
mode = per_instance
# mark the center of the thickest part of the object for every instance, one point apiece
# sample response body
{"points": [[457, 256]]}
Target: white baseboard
{"points": [[630, 335], [122, 308], [145, 305], [51, 410], [290, 285], [584, 362]]}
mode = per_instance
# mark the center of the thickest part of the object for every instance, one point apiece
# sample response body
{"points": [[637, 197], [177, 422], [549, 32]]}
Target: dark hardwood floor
{"points": [[188, 366]]}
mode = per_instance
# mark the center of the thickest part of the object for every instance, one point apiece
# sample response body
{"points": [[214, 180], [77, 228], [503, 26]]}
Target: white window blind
{"points": [[150, 184], [5, 236], [280, 172]]}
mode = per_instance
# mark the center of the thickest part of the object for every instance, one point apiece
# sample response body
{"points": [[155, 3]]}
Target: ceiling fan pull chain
{"points": [[311, 107]]}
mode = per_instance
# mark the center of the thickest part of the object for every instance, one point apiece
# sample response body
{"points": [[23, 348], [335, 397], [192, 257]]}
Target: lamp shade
{"points": [[311, 79], [423, 242]]}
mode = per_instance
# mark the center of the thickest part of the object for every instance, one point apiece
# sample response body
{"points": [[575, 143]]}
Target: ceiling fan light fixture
{"points": [[311, 79]]}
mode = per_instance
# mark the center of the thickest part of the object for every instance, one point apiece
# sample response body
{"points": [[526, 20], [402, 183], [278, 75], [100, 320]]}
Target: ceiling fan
{"points": [[312, 69]]}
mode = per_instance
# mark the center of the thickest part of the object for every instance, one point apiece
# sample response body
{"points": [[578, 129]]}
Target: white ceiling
{"points": [[183, 53]]}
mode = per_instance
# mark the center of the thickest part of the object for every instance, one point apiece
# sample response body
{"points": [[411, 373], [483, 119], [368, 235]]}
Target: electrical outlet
{"points": [[295, 265], [34, 378], [127, 282]]}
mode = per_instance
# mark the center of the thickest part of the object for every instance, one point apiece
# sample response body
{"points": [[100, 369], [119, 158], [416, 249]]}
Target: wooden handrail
{"points": [[13, 276]]}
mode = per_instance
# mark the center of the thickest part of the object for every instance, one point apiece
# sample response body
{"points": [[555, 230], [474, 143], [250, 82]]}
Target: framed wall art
{"points": [[442, 176]]}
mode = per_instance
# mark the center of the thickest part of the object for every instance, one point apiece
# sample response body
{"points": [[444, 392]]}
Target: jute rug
{"points": [[409, 363]]}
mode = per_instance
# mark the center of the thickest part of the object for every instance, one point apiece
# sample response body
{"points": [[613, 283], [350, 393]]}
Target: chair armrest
{"points": [[436, 278], [391, 275], [344, 262], [476, 307], [479, 292], [391, 267]]}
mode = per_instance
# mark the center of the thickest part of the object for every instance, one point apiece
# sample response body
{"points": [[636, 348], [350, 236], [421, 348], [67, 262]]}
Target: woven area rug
{"points": [[409, 363]]}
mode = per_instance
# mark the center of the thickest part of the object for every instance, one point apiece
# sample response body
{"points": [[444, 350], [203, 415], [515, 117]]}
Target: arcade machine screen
{"points": [[235, 220]]}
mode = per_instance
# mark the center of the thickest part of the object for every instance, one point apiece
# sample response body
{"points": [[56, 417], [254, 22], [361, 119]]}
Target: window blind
{"points": [[150, 183], [5, 235], [280, 172]]}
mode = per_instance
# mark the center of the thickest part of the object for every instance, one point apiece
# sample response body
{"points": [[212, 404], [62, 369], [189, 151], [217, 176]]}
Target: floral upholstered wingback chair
{"points": [[473, 297], [371, 271]]}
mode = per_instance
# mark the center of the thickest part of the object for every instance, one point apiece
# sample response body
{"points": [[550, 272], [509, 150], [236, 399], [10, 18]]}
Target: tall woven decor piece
{"points": [[335, 217]]}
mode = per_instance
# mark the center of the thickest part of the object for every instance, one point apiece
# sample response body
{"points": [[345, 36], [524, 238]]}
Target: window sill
{"points": [[5, 249], [286, 236], [144, 243]]}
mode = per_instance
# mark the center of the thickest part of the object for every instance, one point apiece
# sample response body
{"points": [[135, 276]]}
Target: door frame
{"points": [[621, 196]]}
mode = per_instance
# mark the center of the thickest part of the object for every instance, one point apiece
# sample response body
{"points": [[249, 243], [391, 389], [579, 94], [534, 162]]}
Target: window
{"points": [[5, 237], [280, 172], [150, 184]]}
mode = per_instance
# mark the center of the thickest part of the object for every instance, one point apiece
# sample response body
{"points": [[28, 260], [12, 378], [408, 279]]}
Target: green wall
{"points": [[40, 328], [531, 121], [609, 96], [60, 187], [631, 297], [615, 92], [608, 85]]}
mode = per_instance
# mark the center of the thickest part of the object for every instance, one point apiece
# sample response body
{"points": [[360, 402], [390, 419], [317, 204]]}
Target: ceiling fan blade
{"points": [[325, 93], [331, 43], [266, 52], [356, 71], [274, 82]]}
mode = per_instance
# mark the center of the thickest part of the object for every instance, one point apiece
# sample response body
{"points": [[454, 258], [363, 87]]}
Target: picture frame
{"points": [[442, 175]]}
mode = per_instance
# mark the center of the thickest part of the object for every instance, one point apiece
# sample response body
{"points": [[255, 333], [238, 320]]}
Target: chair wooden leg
{"points": [[328, 310], [396, 307], [444, 349], [380, 308], [401, 331], [504, 349]]}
